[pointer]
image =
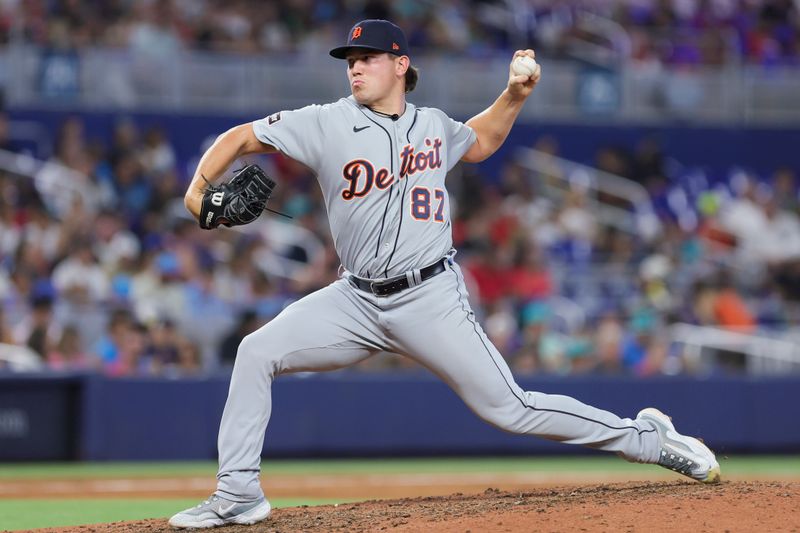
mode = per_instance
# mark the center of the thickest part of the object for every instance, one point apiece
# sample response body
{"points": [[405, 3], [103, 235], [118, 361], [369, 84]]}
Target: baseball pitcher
{"points": [[381, 163]]}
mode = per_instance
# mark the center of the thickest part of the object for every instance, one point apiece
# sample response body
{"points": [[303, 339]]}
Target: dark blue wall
{"points": [[40, 418], [350, 414]]}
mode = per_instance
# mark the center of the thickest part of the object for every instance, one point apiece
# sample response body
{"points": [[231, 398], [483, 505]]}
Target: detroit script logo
{"points": [[361, 176]]}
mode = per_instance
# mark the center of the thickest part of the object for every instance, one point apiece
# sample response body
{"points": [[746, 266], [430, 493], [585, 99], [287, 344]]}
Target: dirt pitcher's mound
{"points": [[627, 507]]}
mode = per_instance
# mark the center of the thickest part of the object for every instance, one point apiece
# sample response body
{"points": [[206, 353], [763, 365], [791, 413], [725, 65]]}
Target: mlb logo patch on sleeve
{"points": [[274, 118]]}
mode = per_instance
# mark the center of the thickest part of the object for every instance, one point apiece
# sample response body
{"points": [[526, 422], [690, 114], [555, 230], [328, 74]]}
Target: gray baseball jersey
{"points": [[382, 179], [383, 183]]}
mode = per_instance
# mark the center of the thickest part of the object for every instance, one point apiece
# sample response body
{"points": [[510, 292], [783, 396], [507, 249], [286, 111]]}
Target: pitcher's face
{"points": [[371, 74]]}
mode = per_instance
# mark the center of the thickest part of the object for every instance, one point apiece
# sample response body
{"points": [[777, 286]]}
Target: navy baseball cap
{"points": [[374, 34]]}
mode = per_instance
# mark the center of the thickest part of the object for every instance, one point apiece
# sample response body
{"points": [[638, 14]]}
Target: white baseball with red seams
{"points": [[524, 65]]}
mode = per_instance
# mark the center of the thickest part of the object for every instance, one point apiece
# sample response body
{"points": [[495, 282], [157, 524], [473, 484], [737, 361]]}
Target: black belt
{"points": [[399, 283]]}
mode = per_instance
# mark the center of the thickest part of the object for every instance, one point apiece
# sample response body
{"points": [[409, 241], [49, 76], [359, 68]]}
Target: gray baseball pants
{"points": [[433, 324]]}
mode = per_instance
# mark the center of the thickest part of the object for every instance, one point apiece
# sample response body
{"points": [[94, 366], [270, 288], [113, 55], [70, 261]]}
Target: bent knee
{"points": [[256, 352], [510, 415], [248, 348]]}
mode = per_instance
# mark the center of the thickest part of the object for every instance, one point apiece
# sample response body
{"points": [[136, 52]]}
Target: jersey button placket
{"points": [[396, 219]]}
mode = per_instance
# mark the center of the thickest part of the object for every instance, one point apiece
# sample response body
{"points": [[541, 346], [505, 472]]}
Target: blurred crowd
{"points": [[119, 280], [684, 32]]}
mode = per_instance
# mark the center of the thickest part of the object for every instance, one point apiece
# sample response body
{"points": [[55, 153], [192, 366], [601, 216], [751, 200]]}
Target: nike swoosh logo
{"points": [[356, 130], [223, 511]]}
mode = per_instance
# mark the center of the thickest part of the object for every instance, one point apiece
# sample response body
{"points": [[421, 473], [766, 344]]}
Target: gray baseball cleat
{"points": [[217, 511], [680, 453]]}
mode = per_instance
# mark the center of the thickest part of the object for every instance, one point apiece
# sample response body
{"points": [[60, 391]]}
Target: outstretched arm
{"points": [[493, 124], [234, 143]]}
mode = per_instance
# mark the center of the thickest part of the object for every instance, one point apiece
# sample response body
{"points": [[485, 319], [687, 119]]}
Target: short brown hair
{"points": [[412, 76]]}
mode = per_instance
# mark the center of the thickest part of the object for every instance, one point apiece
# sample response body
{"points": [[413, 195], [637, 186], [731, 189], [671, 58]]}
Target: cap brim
{"points": [[341, 52]]}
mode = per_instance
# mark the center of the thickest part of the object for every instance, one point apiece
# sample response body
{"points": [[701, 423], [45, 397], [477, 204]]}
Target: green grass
{"points": [[18, 514], [29, 514], [789, 465]]}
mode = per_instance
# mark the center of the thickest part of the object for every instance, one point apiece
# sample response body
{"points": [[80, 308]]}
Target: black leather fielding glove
{"points": [[238, 201]]}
